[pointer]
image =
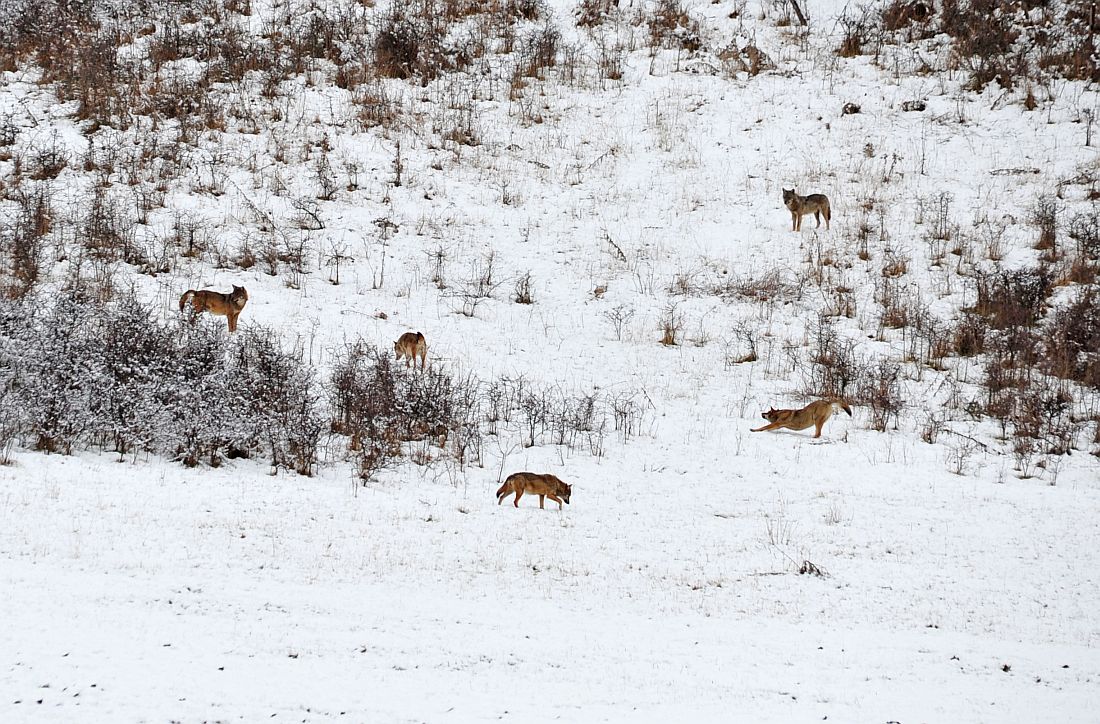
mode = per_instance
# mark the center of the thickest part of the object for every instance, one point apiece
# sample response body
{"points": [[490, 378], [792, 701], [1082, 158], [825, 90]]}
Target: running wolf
{"points": [[799, 206], [816, 413], [544, 486], [228, 305]]}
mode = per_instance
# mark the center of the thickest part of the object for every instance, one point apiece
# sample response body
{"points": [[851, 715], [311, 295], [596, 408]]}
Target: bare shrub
{"points": [[942, 226], [590, 13], [900, 14], [535, 407], [969, 336], [746, 335], [984, 36], [12, 419], [568, 418], [1012, 298], [1040, 418], [611, 59], [379, 405], [108, 230], [834, 364], [1044, 215], [9, 134], [857, 29], [522, 294], [47, 162], [377, 105], [410, 43], [1007, 366], [931, 427], [772, 286], [480, 285], [539, 51], [880, 390], [1072, 340], [1084, 229], [895, 306], [24, 243], [628, 414], [527, 10], [325, 175], [671, 324], [670, 26], [619, 316]]}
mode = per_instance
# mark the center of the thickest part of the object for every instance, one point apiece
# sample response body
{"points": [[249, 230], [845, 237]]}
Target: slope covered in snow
{"points": [[924, 560]]}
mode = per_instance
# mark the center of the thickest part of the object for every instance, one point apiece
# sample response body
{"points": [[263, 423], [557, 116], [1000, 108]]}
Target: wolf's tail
{"points": [[186, 297], [504, 490], [844, 406]]}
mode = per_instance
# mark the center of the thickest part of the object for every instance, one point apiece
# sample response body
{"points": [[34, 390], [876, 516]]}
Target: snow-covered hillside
{"points": [[932, 558]]}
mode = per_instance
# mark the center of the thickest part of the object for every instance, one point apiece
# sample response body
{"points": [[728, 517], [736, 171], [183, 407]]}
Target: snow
{"points": [[954, 591], [149, 592]]}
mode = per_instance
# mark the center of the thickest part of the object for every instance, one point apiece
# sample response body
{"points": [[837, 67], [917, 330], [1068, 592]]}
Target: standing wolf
{"points": [[816, 413], [409, 345], [799, 206], [544, 486], [228, 305]]}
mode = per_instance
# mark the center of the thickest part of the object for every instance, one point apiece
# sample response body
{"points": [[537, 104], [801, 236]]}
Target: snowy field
{"points": [[952, 588], [142, 592]]}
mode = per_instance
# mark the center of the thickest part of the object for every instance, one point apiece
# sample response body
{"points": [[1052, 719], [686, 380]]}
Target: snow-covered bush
{"points": [[77, 372]]}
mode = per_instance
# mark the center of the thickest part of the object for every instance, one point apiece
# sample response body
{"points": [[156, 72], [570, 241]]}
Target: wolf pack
{"points": [[412, 346]]}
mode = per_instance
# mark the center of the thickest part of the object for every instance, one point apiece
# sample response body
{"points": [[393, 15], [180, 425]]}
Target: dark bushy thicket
{"points": [[837, 372], [1036, 345], [379, 405], [1011, 299], [1007, 42], [1073, 340]]}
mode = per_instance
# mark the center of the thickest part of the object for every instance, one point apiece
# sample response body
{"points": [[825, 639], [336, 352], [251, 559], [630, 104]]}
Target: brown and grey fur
{"points": [[816, 413], [544, 486], [799, 206], [409, 345], [227, 305]]}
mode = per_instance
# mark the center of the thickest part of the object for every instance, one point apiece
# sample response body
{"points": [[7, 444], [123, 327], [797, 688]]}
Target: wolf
{"points": [[229, 305], [545, 486], [815, 413], [799, 206], [409, 345]]}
